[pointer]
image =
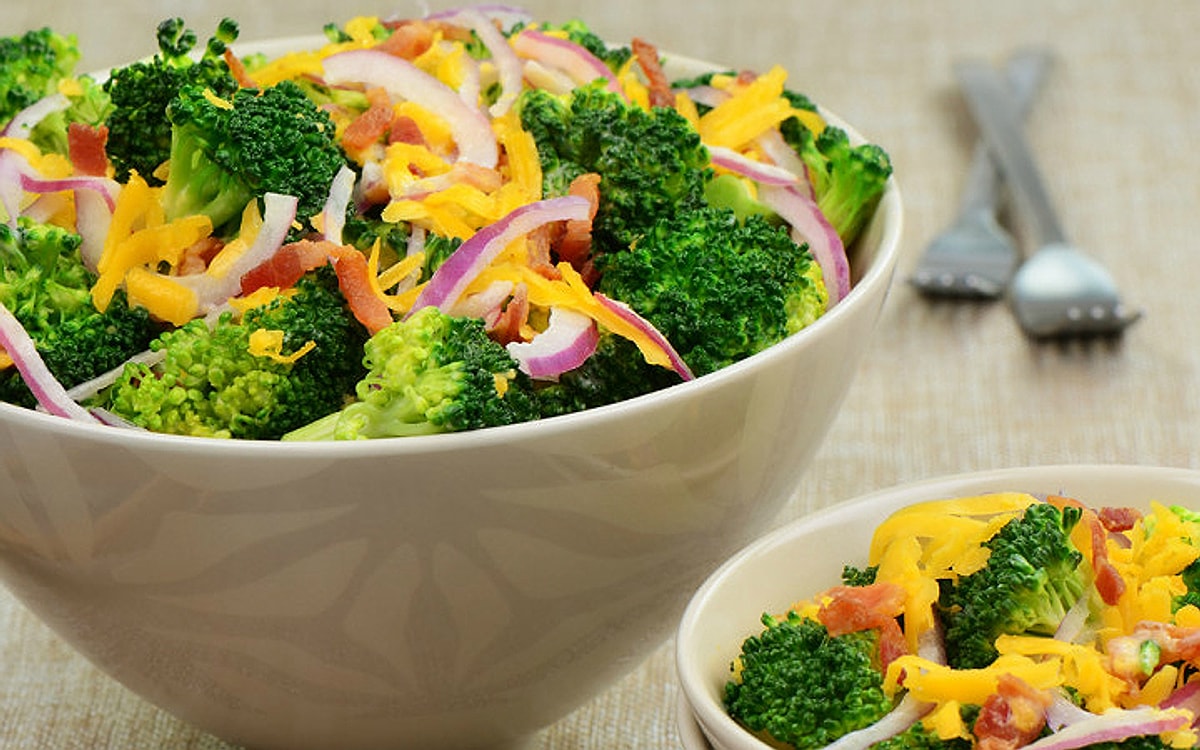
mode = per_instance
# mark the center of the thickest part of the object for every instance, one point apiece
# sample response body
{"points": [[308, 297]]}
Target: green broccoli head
{"points": [[718, 288], [848, 180], [226, 152], [210, 383], [89, 104], [651, 164], [31, 66], [1032, 577], [45, 284], [799, 686], [139, 133], [429, 373]]}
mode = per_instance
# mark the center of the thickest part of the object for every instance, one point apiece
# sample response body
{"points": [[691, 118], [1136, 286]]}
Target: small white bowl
{"points": [[806, 556]]}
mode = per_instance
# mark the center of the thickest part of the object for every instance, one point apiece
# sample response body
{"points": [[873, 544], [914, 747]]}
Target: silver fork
{"points": [[1057, 291], [974, 257]]}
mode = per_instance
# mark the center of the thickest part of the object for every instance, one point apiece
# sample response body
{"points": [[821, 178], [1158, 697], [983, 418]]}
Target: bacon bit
{"points": [[352, 273], [659, 86], [85, 144], [575, 244], [195, 259], [854, 608], [507, 327], [1119, 519], [1012, 717], [372, 125], [409, 39], [1109, 583], [286, 266], [1177, 643], [404, 129], [892, 643], [238, 70], [538, 244]]}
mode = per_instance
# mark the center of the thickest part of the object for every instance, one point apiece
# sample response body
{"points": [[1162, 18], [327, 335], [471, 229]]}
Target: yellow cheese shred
{"points": [[269, 343]]}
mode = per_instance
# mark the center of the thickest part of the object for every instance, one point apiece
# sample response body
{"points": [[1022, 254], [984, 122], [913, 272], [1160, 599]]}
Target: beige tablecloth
{"points": [[947, 387]]}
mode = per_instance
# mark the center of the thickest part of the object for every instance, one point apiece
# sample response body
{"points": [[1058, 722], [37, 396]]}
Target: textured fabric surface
{"points": [[946, 387]]}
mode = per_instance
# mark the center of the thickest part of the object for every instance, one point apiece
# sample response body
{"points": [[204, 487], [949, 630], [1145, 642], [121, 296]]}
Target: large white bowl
{"points": [[806, 556], [450, 591]]}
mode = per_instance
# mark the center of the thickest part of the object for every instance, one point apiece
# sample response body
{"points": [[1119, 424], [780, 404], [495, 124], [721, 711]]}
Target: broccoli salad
{"points": [[1000, 621], [411, 226]]}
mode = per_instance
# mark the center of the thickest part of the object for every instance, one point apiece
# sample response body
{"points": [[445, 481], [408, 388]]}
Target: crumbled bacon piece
{"points": [[657, 83]]}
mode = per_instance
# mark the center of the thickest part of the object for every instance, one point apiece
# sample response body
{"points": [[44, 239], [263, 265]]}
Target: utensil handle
{"points": [[1026, 69], [999, 122]]}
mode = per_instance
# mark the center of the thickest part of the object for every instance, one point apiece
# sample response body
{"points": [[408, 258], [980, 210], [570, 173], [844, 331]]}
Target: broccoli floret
{"points": [[45, 284], [719, 289], [139, 134], [651, 164], [211, 384], [1033, 575], [616, 371], [226, 152], [429, 373], [848, 180], [917, 737], [31, 66], [855, 576], [799, 686], [89, 105]]}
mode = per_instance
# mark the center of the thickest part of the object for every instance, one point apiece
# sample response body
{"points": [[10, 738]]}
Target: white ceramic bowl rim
{"points": [[878, 273]]}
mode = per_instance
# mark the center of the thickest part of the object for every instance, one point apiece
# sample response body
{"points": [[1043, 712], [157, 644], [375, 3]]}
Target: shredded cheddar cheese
{"points": [[269, 343]]}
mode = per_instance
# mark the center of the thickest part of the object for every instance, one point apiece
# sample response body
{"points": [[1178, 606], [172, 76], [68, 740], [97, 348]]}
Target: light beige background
{"points": [[948, 387]]}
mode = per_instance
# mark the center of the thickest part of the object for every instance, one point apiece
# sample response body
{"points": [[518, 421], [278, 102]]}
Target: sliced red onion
{"points": [[1113, 725], [569, 339], [109, 419], [93, 217], [810, 225], [1074, 622], [1062, 712], [46, 389], [906, 713], [931, 644], [507, 16], [472, 81], [340, 192], [709, 96], [1187, 697], [416, 240], [551, 80], [580, 65], [11, 192], [468, 125], [508, 65], [628, 314], [46, 206], [211, 291], [90, 388], [766, 174], [782, 154], [486, 305], [473, 255], [102, 186], [23, 123]]}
